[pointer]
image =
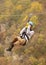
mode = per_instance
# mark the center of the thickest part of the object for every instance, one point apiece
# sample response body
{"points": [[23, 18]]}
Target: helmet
{"points": [[30, 23]]}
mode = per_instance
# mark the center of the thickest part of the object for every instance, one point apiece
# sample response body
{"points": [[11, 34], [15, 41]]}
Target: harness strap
{"points": [[23, 36], [27, 36]]}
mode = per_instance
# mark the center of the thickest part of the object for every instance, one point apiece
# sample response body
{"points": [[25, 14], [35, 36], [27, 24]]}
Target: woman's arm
{"points": [[23, 30]]}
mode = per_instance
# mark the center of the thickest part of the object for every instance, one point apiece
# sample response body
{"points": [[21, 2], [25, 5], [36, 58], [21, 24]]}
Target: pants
{"points": [[17, 41]]}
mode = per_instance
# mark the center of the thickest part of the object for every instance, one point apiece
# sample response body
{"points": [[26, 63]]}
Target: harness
{"points": [[24, 34]]}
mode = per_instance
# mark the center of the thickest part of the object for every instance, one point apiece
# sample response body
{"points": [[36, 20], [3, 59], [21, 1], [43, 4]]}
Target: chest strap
{"points": [[23, 36], [27, 36]]}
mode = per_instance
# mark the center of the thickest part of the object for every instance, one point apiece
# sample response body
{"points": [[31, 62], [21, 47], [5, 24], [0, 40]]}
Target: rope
{"points": [[25, 14]]}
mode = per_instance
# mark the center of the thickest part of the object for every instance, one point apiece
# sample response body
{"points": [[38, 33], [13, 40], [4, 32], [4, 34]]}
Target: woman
{"points": [[25, 34]]}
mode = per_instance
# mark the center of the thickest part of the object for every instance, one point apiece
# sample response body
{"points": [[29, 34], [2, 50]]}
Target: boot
{"points": [[10, 48]]}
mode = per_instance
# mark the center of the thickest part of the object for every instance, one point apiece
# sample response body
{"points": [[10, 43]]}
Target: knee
{"points": [[23, 43]]}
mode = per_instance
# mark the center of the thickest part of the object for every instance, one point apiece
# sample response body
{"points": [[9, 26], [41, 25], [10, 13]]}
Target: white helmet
{"points": [[30, 23]]}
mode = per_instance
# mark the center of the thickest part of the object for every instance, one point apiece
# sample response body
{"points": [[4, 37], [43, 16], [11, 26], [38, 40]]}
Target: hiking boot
{"points": [[10, 48]]}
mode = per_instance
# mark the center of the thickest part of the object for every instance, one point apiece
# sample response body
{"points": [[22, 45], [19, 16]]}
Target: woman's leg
{"points": [[16, 41], [12, 44], [20, 41]]}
